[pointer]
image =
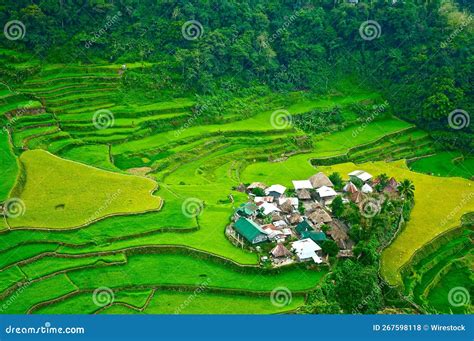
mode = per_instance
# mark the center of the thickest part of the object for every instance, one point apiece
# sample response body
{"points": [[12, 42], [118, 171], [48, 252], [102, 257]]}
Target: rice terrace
{"points": [[272, 160]]}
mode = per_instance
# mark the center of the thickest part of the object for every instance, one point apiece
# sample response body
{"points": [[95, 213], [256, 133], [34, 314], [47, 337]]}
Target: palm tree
{"points": [[407, 189], [383, 181]]}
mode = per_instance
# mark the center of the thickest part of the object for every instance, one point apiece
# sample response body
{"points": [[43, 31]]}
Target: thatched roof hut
{"points": [[286, 207], [320, 216], [350, 188], [303, 194], [294, 218], [276, 216], [280, 251], [320, 179], [357, 197]]}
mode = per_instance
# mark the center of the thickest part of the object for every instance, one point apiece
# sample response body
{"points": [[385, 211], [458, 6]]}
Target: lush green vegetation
{"points": [[9, 167], [445, 164], [76, 194], [172, 302], [154, 270], [422, 69], [439, 275], [166, 303], [163, 269], [194, 119]]}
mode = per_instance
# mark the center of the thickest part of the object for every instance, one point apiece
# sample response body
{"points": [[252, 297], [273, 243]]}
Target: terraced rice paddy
{"points": [[9, 167], [48, 186], [153, 260], [439, 277], [445, 164], [171, 302]]}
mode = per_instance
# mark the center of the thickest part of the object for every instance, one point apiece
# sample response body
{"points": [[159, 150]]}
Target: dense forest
{"points": [[417, 53]]}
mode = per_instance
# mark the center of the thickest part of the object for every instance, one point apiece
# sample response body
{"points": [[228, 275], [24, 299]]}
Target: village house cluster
{"points": [[297, 221]]}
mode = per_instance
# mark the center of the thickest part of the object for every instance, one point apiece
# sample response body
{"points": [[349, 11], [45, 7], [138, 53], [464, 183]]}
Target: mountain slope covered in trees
{"points": [[420, 58]]}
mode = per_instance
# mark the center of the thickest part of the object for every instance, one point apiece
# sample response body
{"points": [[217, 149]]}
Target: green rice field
{"points": [[103, 207]]}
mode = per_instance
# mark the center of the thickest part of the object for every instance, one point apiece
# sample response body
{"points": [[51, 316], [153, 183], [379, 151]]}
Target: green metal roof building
{"points": [[249, 230], [303, 226], [314, 236], [247, 209]]}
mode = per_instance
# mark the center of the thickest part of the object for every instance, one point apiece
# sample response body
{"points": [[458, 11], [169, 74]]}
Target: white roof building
{"points": [[366, 189], [364, 176], [275, 188], [279, 224], [326, 191], [306, 249], [294, 201], [302, 184], [269, 208], [263, 199]]}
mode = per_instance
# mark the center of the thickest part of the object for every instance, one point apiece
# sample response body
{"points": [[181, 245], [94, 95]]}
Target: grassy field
{"points": [[153, 270], [64, 194], [440, 269], [446, 164], [299, 167], [171, 269], [94, 155], [458, 276], [211, 303], [74, 174], [172, 302], [9, 167]]}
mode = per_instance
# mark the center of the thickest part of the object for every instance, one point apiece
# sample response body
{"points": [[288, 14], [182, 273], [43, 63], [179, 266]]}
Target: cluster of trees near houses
{"points": [[421, 60], [354, 285]]}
